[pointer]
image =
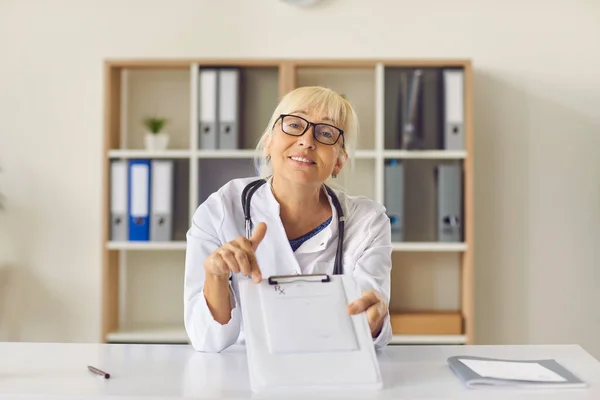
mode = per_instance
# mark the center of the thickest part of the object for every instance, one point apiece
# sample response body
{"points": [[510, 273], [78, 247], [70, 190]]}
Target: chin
{"points": [[304, 177]]}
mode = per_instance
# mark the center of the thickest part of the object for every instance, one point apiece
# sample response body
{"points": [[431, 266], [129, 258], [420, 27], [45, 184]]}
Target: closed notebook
{"points": [[480, 372]]}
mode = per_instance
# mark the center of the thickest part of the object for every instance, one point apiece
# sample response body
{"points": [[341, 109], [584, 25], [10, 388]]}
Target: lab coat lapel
{"points": [[322, 240], [274, 254]]}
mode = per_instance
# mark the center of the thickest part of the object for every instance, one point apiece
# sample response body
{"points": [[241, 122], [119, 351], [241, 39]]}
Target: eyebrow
{"points": [[305, 113]]}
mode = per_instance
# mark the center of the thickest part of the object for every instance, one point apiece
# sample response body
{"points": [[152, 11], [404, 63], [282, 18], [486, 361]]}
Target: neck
{"points": [[298, 201]]}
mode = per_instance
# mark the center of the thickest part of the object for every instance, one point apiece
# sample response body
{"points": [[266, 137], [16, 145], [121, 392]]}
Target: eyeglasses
{"points": [[294, 125]]}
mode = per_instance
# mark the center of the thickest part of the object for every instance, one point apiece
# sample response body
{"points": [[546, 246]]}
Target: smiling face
{"points": [[288, 147], [304, 159]]}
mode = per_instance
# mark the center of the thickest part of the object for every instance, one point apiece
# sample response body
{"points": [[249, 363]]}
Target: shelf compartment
{"points": [[215, 172], [355, 84], [151, 288], [426, 323], [178, 198], [425, 282], [257, 94], [155, 93], [415, 107], [425, 200]]}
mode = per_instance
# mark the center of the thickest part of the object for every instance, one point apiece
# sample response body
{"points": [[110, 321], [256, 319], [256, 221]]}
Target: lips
{"points": [[302, 159]]}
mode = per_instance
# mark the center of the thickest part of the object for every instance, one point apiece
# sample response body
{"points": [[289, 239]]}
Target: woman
{"points": [[295, 224]]}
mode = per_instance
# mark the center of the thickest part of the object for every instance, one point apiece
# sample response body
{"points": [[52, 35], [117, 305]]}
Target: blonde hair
{"points": [[322, 100]]}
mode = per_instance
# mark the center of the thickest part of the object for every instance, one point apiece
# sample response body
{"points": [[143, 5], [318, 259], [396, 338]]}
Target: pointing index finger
{"points": [[258, 235]]}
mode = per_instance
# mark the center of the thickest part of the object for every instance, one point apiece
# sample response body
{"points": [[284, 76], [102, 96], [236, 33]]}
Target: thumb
{"points": [[258, 234]]}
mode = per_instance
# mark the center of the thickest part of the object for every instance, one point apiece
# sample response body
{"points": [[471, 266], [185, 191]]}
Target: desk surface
{"points": [[171, 371]]}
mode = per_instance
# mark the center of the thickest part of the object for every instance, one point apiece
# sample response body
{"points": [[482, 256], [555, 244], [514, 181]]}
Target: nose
{"points": [[308, 139]]}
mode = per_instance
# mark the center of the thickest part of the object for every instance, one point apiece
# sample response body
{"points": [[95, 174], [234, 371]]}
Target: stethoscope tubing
{"points": [[253, 186]]}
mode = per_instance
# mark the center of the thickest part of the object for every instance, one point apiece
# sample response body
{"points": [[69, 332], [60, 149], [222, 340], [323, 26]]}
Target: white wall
{"points": [[537, 92]]}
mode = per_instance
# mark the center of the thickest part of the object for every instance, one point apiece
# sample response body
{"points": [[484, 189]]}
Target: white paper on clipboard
{"points": [[307, 316]]}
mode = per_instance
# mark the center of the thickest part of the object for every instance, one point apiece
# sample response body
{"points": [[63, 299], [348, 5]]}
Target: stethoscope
{"points": [[252, 187]]}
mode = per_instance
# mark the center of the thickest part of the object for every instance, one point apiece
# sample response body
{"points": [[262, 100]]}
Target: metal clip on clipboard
{"points": [[281, 279]]}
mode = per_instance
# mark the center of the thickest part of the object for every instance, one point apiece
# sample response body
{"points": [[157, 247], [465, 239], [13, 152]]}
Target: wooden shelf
{"points": [[176, 334], [425, 154], [241, 153], [180, 245], [365, 154], [134, 86], [173, 334], [428, 339], [429, 246], [249, 153], [134, 153]]}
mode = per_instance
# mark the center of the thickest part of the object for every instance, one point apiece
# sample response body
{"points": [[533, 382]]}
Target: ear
{"points": [[267, 145], [341, 161]]}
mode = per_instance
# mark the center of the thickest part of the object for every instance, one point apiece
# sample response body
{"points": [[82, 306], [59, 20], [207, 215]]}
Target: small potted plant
{"points": [[155, 138]]}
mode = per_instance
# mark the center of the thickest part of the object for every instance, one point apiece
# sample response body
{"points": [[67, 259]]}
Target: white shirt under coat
{"points": [[220, 219]]}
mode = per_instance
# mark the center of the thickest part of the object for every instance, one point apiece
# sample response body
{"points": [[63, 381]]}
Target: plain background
{"points": [[537, 126]]}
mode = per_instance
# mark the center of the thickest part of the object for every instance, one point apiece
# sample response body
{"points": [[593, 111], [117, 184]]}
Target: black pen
{"points": [[97, 371]]}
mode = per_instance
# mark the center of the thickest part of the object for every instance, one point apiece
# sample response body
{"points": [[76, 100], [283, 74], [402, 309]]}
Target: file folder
{"points": [[118, 201], [207, 109], [404, 108], [411, 107], [300, 337], [450, 204], [394, 198], [432, 118], [161, 224], [228, 110], [454, 130], [139, 200], [486, 372]]}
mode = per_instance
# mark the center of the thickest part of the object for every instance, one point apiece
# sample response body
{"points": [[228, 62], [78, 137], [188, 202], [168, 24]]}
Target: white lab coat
{"points": [[220, 219]]}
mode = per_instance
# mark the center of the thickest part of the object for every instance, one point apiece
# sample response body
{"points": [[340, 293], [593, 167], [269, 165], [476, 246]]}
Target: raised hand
{"points": [[375, 307], [237, 256]]}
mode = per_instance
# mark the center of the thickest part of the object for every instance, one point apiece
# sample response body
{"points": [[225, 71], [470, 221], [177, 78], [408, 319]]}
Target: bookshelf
{"points": [[432, 299]]}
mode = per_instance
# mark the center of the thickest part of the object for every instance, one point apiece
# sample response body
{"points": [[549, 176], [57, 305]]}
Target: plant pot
{"points": [[156, 141]]}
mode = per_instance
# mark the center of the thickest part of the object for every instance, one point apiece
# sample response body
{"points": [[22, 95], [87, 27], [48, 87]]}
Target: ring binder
{"points": [[281, 279]]}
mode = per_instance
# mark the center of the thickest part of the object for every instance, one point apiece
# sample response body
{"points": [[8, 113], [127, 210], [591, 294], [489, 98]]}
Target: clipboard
{"points": [[300, 337]]}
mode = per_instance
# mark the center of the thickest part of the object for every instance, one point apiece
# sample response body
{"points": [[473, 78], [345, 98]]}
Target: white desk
{"points": [[171, 371]]}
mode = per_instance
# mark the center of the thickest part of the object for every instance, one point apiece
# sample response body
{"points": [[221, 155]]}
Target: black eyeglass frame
{"points": [[314, 125]]}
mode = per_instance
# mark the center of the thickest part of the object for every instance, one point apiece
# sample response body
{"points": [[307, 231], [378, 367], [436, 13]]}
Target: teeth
{"points": [[301, 159]]}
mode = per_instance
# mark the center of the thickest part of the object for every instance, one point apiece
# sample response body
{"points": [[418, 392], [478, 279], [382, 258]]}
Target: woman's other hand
{"points": [[376, 308], [237, 256]]}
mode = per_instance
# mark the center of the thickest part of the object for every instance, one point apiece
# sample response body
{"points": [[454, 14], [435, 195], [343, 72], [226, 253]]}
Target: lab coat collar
{"points": [[321, 240]]}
